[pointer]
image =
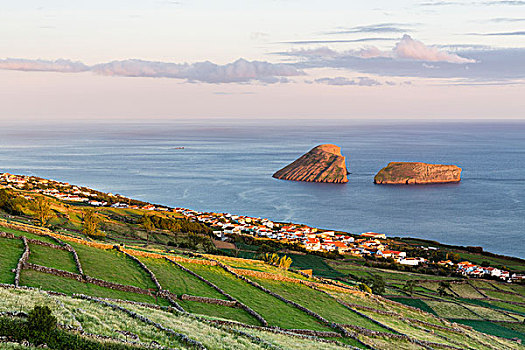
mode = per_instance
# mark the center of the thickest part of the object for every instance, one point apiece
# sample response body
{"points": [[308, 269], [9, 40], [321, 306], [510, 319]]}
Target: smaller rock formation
{"points": [[417, 173], [323, 163]]}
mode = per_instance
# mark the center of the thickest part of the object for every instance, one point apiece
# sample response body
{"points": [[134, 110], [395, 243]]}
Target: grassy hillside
{"points": [[475, 314]]}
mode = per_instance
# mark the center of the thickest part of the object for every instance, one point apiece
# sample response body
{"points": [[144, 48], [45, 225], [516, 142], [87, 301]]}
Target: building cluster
{"points": [[66, 192], [310, 238], [467, 268]]}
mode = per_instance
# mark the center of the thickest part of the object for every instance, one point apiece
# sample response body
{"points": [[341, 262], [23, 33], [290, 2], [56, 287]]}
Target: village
{"points": [[224, 224]]}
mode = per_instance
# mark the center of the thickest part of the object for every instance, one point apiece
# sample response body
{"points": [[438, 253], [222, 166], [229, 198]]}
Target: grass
{"points": [[29, 235], [273, 310], [465, 290], [178, 281], [318, 302], [518, 327], [316, 263], [505, 296], [385, 343], [50, 257], [451, 310], [492, 328], [218, 311], [209, 336], [420, 304], [46, 281], [507, 306], [286, 342], [10, 251], [112, 266], [491, 314]]}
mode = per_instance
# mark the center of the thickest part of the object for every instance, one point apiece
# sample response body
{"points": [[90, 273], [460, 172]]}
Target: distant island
{"points": [[413, 173], [323, 163]]}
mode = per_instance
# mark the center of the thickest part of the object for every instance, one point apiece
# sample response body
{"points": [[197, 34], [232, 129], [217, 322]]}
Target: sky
{"points": [[257, 59]]}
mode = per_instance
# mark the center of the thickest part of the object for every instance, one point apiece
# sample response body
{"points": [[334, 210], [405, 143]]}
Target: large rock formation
{"points": [[417, 173], [323, 163]]}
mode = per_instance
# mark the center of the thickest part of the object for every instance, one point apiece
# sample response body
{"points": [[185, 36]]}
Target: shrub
{"points": [[40, 324]]}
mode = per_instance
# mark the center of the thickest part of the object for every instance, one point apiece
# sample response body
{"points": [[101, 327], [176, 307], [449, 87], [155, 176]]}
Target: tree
{"points": [[442, 289], [285, 262], [377, 284], [40, 323], [90, 222], [43, 212], [409, 287], [148, 225], [364, 288]]}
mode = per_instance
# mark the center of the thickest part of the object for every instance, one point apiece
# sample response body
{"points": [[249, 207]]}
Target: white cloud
{"points": [[406, 49], [409, 48], [240, 71], [64, 66], [343, 81]]}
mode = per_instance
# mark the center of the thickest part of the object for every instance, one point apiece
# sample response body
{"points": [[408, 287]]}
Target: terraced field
{"points": [[216, 322]]}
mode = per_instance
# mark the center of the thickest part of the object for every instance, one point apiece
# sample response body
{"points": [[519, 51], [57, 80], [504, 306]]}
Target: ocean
{"points": [[227, 166]]}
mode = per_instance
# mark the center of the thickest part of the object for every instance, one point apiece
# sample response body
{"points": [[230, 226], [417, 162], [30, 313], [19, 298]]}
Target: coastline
{"points": [[162, 207]]}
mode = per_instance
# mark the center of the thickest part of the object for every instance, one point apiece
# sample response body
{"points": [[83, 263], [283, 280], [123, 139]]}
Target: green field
{"points": [[218, 311], [112, 266], [315, 263], [68, 286], [420, 304], [318, 302], [179, 282], [29, 235], [263, 303], [10, 251], [491, 328], [505, 296], [50, 257]]}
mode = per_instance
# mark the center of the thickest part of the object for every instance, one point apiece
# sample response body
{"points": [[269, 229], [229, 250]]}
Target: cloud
{"points": [[500, 34], [63, 66], [474, 3], [337, 41], [503, 2], [507, 20], [342, 81], [374, 28], [441, 3], [409, 48], [406, 49], [491, 66], [240, 71]]}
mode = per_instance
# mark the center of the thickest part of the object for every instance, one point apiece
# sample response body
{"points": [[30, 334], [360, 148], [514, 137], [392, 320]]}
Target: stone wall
{"points": [[239, 304], [181, 337], [228, 303], [144, 267], [52, 271], [87, 279], [296, 305], [229, 297], [7, 235], [23, 259]]}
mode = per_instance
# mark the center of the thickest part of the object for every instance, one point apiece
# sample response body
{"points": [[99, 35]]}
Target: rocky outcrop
{"points": [[323, 163], [413, 173]]}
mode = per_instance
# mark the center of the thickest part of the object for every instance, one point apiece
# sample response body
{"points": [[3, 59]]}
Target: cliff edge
{"points": [[323, 163], [417, 173]]}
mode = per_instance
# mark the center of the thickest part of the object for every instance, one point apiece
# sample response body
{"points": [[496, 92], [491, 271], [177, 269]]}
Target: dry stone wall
{"points": [[228, 303], [86, 279], [332, 325], [23, 259], [144, 267], [229, 297], [181, 337]]}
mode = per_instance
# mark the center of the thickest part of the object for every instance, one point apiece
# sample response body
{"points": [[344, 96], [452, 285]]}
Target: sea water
{"points": [[227, 166]]}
